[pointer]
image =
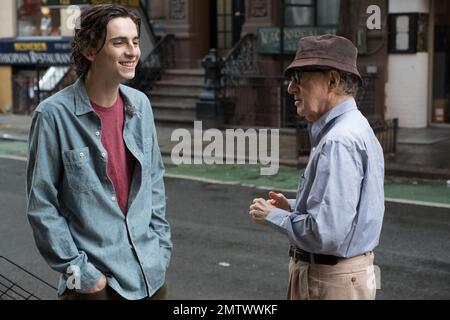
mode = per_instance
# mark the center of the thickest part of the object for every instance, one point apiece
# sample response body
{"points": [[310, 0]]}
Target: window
{"points": [[33, 19], [403, 33], [328, 12], [311, 13], [224, 24], [228, 16]]}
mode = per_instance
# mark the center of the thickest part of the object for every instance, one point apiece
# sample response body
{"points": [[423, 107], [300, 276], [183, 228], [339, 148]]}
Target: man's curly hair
{"points": [[92, 32]]}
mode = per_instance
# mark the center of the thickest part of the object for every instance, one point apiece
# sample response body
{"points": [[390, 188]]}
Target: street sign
{"points": [[37, 51], [268, 40]]}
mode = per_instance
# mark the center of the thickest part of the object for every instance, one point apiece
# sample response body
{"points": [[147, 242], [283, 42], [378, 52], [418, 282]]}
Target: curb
{"points": [[396, 170], [11, 137], [268, 188], [391, 169]]}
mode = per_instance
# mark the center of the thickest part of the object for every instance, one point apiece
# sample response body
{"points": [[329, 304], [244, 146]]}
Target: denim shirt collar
{"points": [[318, 126], [83, 105]]}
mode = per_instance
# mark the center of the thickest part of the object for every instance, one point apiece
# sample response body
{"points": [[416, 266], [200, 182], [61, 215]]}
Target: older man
{"points": [[334, 224]]}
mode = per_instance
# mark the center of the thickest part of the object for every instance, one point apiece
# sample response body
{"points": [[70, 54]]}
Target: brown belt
{"points": [[301, 255]]}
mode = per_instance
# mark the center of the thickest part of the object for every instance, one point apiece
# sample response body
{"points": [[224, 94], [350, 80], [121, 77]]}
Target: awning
{"points": [[35, 51]]}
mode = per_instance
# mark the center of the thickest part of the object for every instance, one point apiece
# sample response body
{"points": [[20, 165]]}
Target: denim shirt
{"points": [[72, 207], [339, 206]]}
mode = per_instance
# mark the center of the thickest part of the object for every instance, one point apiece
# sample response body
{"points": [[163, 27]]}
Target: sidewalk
{"points": [[421, 153]]}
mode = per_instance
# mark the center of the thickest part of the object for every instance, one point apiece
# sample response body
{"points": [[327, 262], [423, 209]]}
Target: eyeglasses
{"points": [[297, 75]]}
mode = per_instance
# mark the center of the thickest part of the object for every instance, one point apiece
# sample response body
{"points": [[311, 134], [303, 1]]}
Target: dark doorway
{"points": [[441, 70], [25, 90], [228, 16]]}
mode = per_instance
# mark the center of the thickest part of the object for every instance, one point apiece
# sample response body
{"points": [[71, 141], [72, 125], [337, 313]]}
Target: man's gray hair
{"points": [[348, 85]]}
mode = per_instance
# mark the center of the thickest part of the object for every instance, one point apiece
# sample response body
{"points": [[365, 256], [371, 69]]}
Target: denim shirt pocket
{"points": [[79, 169]]}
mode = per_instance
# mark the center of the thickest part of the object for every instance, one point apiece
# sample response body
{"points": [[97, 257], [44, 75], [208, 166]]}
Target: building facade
{"points": [[404, 50], [407, 79]]}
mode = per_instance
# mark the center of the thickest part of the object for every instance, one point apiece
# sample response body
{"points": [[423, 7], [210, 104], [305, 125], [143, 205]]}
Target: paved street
{"points": [[220, 254]]}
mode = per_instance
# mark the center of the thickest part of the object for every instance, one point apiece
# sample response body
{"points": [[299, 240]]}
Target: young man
{"points": [[335, 221], [96, 199]]}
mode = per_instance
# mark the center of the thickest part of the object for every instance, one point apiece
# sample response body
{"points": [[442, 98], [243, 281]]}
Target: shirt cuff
{"points": [[90, 276], [291, 203], [277, 218]]}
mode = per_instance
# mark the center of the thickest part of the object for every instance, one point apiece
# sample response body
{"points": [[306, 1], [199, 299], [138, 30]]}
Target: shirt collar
{"points": [[340, 109], [83, 105]]}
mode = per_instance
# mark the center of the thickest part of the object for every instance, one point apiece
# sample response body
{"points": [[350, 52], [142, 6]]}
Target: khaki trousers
{"points": [[109, 294], [349, 279]]}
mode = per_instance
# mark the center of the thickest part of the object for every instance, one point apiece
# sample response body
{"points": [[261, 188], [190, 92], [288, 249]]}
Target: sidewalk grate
{"points": [[14, 280]]}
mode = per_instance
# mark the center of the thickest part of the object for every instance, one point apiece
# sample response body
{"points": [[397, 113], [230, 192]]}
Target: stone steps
{"points": [[174, 97]]}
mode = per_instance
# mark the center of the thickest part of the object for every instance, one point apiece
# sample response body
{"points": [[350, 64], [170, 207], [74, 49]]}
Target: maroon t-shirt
{"points": [[121, 162]]}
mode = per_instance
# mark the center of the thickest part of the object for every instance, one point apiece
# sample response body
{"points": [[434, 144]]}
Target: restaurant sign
{"points": [[62, 3], [45, 52]]}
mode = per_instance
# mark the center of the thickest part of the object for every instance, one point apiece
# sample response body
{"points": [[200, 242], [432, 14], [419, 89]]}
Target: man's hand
{"points": [[279, 200], [259, 210], [99, 286]]}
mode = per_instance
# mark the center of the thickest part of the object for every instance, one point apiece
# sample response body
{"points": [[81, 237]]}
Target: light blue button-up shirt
{"points": [[339, 206], [72, 206]]}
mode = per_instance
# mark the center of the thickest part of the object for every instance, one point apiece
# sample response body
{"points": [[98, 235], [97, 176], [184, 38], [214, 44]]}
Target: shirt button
{"points": [[97, 133], [103, 154], [113, 198], [82, 155]]}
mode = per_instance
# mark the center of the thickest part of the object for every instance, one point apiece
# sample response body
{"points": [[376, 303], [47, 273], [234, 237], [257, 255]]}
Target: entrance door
{"points": [[441, 70], [228, 16]]}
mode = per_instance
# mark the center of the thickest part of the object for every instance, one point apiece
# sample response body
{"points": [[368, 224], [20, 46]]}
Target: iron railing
{"points": [[14, 279], [249, 96], [148, 71], [365, 99], [252, 97], [69, 77], [385, 131], [240, 61]]}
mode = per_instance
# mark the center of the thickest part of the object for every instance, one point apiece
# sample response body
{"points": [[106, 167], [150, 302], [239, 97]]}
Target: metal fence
{"points": [[366, 96], [160, 58], [16, 283], [254, 102], [255, 96], [385, 131]]}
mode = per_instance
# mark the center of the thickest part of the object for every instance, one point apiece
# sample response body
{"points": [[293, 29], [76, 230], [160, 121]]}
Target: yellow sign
{"points": [[129, 3], [30, 46]]}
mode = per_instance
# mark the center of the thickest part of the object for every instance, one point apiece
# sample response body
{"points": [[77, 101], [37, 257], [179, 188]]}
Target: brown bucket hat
{"points": [[327, 51]]}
